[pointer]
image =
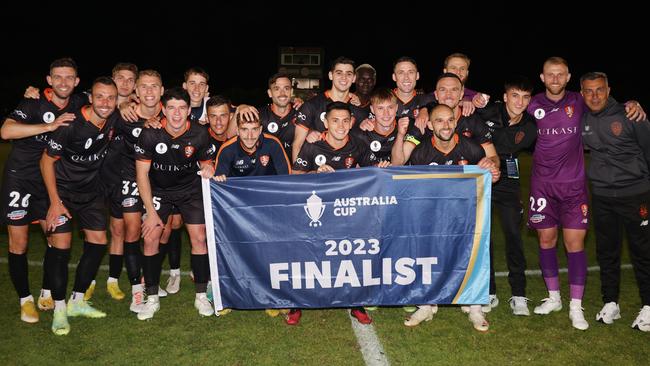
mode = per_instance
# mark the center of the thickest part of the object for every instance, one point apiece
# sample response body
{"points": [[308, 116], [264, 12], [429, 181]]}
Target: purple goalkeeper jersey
{"points": [[558, 155]]}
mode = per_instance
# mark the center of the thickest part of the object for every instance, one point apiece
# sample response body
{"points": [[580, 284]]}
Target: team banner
{"points": [[370, 236]]}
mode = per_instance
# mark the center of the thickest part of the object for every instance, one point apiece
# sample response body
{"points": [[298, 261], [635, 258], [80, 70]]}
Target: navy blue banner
{"points": [[395, 236]]}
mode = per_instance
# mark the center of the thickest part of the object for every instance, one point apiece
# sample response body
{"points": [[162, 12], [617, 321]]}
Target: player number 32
{"points": [[356, 247]]}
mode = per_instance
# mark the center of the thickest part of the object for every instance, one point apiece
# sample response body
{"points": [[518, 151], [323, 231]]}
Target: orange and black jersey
{"points": [[174, 160], [281, 127], [215, 141], [130, 132], [472, 127], [411, 108], [466, 152], [80, 148], [312, 114], [314, 155], [25, 155], [377, 146], [269, 158]]}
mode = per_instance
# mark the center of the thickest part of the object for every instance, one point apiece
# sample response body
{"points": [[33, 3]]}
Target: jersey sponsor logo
{"points": [[88, 158], [189, 151], [537, 218], [20, 113], [129, 202], [320, 159], [569, 110], [322, 117], [519, 137], [301, 162], [264, 160], [89, 142], [557, 131], [272, 127], [55, 145], [48, 117], [17, 214], [136, 132], [349, 161], [539, 113], [617, 128], [161, 148], [585, 209], [375, 146], [138, 149]]}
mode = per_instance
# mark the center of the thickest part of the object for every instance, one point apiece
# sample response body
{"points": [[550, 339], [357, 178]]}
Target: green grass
{"points": [[177, 335]]}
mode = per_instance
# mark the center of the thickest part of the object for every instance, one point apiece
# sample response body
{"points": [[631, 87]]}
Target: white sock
{"points": [[175, 272], [59, 305], [46, 293], [23, 300], [199, 294], [137, 288], [575, 303], [111, 280], [554, 295], [77, 296]]}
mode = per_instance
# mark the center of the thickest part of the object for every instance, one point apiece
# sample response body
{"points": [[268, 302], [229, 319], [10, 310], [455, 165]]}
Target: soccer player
{"points": [[513, 130], [196, 84], [379, 141], [279, 117], [24, 197], [167, 163], [447, 147], [620, 194], [311, 115], [558, 192], [70, 168], [365, 80]]}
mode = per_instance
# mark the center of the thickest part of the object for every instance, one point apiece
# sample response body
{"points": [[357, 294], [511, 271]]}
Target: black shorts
{"points": [[87, 209], [189, 204], [130, 200], [23, 201]]}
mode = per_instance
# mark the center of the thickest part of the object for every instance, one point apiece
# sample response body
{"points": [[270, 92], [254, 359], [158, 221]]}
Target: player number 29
{"points": [[541, 204], [356, 247]]}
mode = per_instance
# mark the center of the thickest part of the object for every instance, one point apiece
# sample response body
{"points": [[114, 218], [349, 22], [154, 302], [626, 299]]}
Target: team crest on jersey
{"points": [[519, 137], [189, 151], [617, 128], [89, 142], [643, 211], [349, 161], [375, 146], [585, 209], [415, 112], [161, 148], [539, 113], [320, 159], [272, 127], [48, 117], [569, 111], [463, 161], [264, 160]]}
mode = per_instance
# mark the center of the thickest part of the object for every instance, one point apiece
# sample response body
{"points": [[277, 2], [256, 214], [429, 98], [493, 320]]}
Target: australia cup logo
{"points": [[314, 209]]}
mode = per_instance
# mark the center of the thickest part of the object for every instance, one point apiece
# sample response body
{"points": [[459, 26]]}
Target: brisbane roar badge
{"points": [[189, 151]]}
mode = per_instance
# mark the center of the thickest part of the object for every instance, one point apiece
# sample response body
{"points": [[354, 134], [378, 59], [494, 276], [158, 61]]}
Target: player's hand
{"points": [[313, 136], [634, 111], [403, 126], [247, 112], [480, 100], [421, 121], [488, 164], [467, 108], [54, 214], [354, 99], [367, 125], [220, 178], [153, 122], [297, 102], [383, 164], [151, 223], [128, 111], [207, 171], [325, 169], [203, 122], [62, 120], [32, 93]]}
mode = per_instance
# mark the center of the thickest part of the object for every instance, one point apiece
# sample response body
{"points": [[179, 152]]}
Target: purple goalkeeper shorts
{"points": [[558, 204]]}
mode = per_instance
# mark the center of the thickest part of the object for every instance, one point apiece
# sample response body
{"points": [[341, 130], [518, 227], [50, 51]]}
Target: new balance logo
{"points": [[644, 223]]}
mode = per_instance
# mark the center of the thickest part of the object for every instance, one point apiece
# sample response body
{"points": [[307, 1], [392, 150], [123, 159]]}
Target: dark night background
{"points": [[238, 44]]}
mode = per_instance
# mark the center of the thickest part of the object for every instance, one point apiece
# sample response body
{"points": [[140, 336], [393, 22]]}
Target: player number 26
{"points": [[356, 247]]}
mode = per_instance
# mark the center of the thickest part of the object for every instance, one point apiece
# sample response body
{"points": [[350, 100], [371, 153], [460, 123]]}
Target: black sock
{"points": [[200, 268], [88, 265], [46, 282], [115, 265], [162, 251], [57, 271], [152, 267], [174, 246], [19, 273], [133, 261]]}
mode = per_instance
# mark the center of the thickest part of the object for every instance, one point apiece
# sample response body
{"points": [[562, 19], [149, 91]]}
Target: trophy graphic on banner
{"points": [[314, 209]]}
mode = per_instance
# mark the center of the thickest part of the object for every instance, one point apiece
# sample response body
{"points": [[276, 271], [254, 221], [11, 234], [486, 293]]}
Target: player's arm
{"points": [[299, 137], [56, 208], [491, 153], [12, 129], [401, 150], [280, 158], [634, 111], [152, 221]]}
